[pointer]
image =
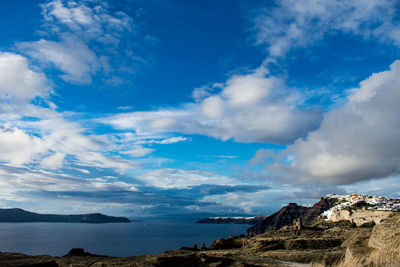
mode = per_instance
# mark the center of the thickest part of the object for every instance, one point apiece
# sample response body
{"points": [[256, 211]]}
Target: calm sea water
{"points": [[113, 239]]}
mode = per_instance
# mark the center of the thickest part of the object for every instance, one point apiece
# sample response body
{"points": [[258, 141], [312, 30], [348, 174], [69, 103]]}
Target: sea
{"points": [[149, 236]]}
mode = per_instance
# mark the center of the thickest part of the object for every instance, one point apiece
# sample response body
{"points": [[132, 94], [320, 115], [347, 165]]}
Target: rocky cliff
{"points": [[336, 244], [360, 216], [360, 209], [20, 215], [324, 244], [286, 216]]}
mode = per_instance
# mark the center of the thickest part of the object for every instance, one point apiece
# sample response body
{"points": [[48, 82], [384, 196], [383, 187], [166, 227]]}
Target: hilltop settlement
{"points": [[338, 230]]}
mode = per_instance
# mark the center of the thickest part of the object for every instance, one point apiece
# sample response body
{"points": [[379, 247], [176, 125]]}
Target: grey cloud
{"points": [[358, 141]]}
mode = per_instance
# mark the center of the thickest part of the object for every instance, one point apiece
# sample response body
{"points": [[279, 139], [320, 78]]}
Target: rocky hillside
{"points": [[286, 215], [20, 215], [325, 244], [361, 209], [355, 208]]}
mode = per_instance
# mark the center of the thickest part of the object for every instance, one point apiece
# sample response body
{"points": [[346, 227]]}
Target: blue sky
{"points": [[142, 108]]}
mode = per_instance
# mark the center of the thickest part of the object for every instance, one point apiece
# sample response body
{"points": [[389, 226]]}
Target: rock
{"points": [[314, 243], [357, 250], [317, 209], [194, 248], [229, 243], [360, 216], [368, 224], [284, 216], [269, 244], [287, 215], [203, 247], [76, 252], [386, 234]]}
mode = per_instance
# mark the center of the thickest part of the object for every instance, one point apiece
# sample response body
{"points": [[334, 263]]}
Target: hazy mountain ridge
{"points": [[232, 220], [20, 215]]}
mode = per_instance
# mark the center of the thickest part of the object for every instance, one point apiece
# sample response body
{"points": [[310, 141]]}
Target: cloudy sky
{"points": [[147, 108]]}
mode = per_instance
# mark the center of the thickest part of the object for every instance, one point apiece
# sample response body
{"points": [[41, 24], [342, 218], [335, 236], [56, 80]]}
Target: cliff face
{"points": [[20, 215], [317, 209], [286, 215], [360, 216], [380, 248], [324, 244], [387, 233]]}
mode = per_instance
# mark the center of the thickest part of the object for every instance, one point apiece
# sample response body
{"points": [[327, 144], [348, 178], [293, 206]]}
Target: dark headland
{"points": [[339, 230], [20, 215]]}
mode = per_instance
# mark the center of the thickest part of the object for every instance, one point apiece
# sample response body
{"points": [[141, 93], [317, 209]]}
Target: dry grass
{"points": [[387, 257]]}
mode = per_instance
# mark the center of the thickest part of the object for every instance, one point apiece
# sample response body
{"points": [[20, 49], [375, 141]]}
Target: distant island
{"points": [[232, 220], [20, 215], [339, 230]]}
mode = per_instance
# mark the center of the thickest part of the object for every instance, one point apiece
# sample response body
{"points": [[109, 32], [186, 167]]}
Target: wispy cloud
{"points": [[291, 24], [84, 38], [47, 153], [73, 57], [178, 178]]}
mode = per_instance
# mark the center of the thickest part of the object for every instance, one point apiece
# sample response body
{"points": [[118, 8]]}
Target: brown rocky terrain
{"points": [[328, 244], [287, 214], [319, 243]]}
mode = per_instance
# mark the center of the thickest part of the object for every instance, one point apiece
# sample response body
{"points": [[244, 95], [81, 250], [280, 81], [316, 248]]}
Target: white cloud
{"points": [[292, 24], [253, 107], [48, 136], [389, 186], [24, 179], [250, 89], [200, 93], [171, 140], [138, 151], [178, 178], [18, 82], [71, 56], [88, 21], [84, 38], [355, 142], [125, 107], [53, 162], [18, 148]]}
